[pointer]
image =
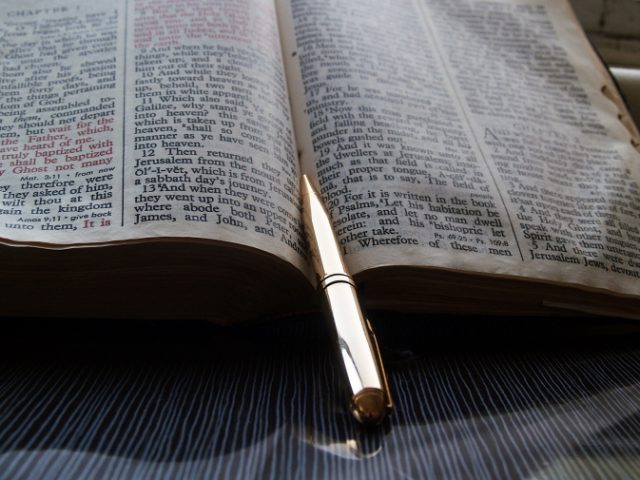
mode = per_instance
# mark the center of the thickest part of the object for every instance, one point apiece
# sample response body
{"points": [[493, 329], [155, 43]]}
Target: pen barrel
{"points": [[356, 342], [354, 336]]}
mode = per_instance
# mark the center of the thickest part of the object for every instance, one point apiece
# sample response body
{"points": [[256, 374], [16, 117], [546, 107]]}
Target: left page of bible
{"points": [[137, 119]]}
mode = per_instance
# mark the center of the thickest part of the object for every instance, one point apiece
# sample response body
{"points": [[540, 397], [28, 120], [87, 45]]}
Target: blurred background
{"points": [[614, 28]]}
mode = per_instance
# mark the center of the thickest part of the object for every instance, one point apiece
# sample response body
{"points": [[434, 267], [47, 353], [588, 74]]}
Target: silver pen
{"points": [[357, 344]]}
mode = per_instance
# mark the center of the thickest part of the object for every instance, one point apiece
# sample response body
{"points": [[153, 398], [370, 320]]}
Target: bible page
{"points": [[466, 135], [136, 119]]}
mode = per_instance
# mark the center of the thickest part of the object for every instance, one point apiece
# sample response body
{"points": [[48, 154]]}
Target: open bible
{"points": [[475, 157]]}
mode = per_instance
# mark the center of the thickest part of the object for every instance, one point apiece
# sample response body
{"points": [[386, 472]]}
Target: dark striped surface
{"points": [[192, 402]]}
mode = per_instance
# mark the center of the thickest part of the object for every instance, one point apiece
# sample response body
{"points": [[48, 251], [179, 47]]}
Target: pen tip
{"points": [[305, 182], [370, 406]]}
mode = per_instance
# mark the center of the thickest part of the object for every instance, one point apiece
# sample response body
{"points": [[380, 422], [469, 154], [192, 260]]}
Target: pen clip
{"points": [[383, 373]]}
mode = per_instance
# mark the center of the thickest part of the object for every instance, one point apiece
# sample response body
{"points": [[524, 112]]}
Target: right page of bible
{"points": [[468, 135]]}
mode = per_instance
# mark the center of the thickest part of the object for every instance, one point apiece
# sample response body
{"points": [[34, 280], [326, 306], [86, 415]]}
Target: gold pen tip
{"points": [[370, 406], [305, 185]]}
